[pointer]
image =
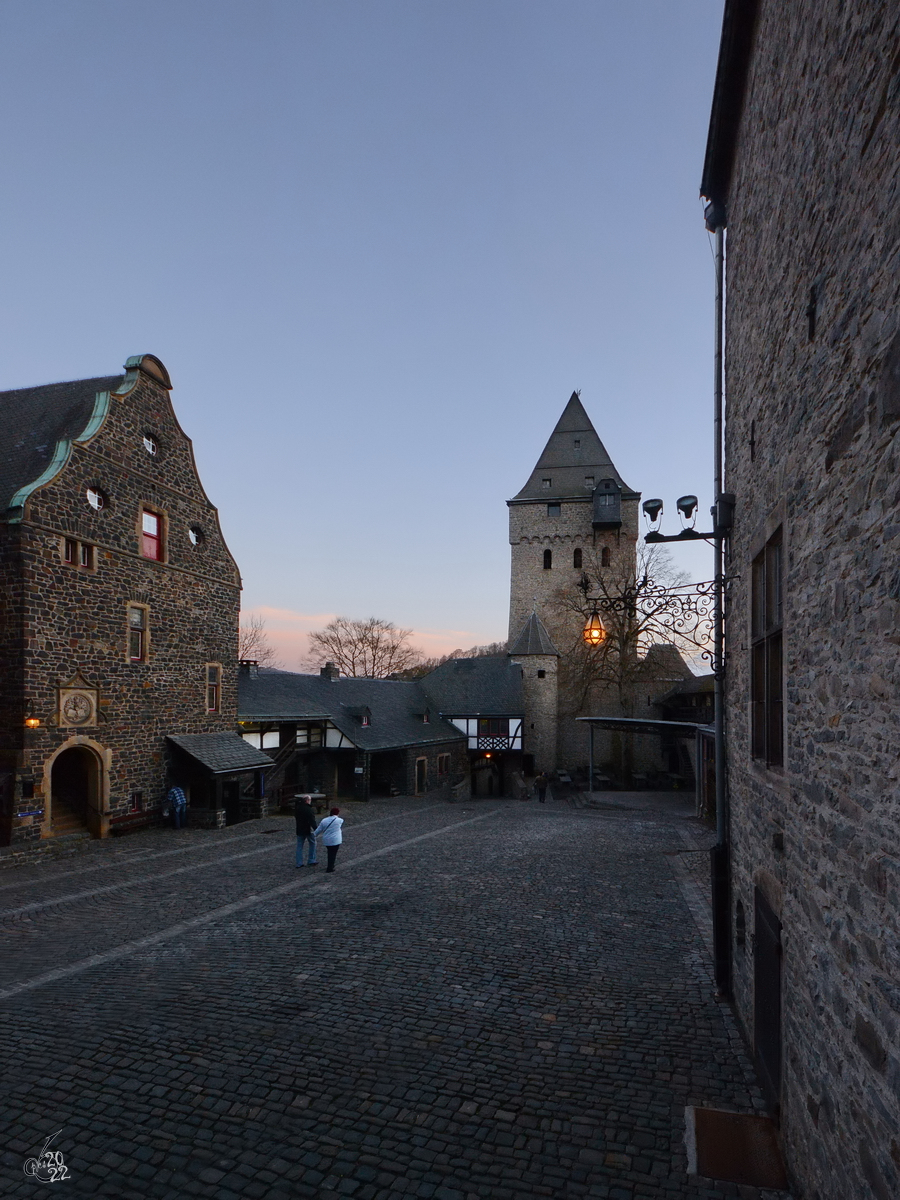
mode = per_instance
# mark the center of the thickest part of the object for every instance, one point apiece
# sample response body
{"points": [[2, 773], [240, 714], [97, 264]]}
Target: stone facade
{"points": [[809, 178], [70, 573]]}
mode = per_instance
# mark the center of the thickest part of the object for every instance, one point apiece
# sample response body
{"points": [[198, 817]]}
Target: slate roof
{"points": [[397, 707], [221, 753], [696, 685], [487, 686], [534, 639], [565, 465], [34, 420]]}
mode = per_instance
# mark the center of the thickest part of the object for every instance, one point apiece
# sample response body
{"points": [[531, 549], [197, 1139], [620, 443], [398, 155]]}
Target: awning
{"points": [[641, 725], [221, 753]]}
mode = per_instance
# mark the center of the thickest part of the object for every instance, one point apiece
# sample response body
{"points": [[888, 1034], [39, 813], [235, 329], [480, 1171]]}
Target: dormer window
{"points": [[545, 483], [589, 481], [426, 717], [365, 719], [577, 443]]}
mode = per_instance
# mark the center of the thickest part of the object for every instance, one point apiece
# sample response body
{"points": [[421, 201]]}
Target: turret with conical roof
{"points": [[575, 513], [539, 659]]}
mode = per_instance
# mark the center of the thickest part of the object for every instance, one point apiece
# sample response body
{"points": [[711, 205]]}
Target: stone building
{"points": [[118, 625], [803, 167], [576, 517]]}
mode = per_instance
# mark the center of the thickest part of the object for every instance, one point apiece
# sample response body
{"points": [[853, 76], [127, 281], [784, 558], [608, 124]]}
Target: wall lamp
{"points": [[594, 633], [32, 721]]}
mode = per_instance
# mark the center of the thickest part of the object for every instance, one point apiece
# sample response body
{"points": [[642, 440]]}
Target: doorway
{"points": [[767, 958], [421, 775], [75, 792], [231, 802], [487, 778]]}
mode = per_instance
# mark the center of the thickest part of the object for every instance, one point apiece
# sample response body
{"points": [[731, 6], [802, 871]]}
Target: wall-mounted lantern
{"points": [[594, 633]]}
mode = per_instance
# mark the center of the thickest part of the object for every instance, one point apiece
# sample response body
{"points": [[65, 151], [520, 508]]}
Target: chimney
{"points": [[330, 671]]}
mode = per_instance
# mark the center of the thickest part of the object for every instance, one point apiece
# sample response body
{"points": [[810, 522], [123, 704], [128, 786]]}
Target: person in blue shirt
{"points": [[177, 801], [330, 832]]}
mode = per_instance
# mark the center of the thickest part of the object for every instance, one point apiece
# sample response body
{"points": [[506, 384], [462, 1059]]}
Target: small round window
{"points": [[96, 498], [196, 535], [150, 444]]}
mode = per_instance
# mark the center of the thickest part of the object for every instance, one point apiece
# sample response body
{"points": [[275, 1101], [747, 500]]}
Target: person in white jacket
{"points": [[329, 830]]}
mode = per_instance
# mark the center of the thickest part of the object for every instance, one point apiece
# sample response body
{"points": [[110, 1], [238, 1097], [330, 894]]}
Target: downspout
{"points": [[722, 514]]}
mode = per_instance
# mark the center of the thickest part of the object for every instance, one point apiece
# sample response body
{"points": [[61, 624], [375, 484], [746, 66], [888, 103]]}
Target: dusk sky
{"points": [[377, 243]]}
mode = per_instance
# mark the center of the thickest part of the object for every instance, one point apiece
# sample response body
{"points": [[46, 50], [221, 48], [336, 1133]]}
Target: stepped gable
{"points": [[573, 453], [534, 639]]}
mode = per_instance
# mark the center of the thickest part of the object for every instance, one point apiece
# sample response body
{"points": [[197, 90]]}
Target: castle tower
{"points": [[575, 513], [539, 659]]}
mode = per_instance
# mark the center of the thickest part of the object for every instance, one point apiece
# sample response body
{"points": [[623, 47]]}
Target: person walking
{"points": [[330, 832], [540, 786], [177, 801], [305, 820]]}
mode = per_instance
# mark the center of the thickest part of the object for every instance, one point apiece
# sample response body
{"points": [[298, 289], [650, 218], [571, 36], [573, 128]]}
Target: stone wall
{"points": [[813, 448], [60, 619]]}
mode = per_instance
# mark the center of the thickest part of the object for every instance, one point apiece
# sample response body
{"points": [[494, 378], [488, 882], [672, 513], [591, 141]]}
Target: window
{"points": [[70, 550], [136, 802], [766, 685], [137, 633], [86, 555], [589, 481], [79, 554], [542, 674], [151, 535], [443, 765], [604, 557], [576, 559], [548, 559], [577, 443], [96, 499], [196, 536], [493, 727], [150, 444], [545, 483], [426, 716], [365, 719], [606, 499], [553, 510], [213, 687]]}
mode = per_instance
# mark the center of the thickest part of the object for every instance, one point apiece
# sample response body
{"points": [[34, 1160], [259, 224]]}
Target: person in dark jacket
{"points": [[305, 818]]}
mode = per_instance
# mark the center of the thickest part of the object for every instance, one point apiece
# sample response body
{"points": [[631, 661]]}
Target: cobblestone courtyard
{"points": [[491, 999]]}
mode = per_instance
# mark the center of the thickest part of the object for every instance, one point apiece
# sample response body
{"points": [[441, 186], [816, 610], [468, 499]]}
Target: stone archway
{"points": [[76, 788], [487, 777]]}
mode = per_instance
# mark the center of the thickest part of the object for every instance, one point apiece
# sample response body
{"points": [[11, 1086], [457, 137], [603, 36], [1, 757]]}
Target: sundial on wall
{"points": [[77, 702]]}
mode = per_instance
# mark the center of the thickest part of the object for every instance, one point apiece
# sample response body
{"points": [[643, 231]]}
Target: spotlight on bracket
{"points": [[687, 508], [652, 510]]}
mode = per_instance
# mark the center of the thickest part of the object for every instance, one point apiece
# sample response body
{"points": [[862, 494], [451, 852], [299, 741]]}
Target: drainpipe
{"points": [[722, 514]]}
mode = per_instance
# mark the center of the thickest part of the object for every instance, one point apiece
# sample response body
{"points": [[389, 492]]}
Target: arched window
{"points": [[548, 559], [604, 557], [576, 560]]}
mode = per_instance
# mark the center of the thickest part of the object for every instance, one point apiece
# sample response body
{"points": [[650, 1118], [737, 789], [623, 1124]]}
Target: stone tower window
{"points": [[541, 675], [548, 559], [553, 510], [604, 557], [576, 559]]}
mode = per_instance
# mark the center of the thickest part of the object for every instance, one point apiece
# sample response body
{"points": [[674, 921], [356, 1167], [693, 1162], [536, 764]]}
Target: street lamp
{"points": [[594, 631], [723, 518]]}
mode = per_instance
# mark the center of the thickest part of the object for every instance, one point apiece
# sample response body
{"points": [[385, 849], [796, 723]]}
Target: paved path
{"points": [[493, 999]]}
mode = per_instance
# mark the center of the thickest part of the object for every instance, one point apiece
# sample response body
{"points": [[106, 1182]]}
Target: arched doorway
{"points": [[75, 792]]}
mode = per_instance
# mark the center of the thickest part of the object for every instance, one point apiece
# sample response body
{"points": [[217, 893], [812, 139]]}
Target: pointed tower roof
{"points": [[573, 456], [534, 639]]}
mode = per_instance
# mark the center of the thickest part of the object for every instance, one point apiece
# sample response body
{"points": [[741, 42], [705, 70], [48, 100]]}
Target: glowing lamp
{"points": [[594, 633], [32, 722]]}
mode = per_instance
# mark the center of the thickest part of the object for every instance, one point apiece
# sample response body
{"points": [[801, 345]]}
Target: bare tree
{"points": [[371, 649], [426, 665], [254, 644]]}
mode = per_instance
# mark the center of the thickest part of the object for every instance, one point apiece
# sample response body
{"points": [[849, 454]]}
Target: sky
{"points": [[377, 244]]}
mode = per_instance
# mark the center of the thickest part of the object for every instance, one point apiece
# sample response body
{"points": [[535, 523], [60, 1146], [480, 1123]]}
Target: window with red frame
{"points": [[151, 535]]}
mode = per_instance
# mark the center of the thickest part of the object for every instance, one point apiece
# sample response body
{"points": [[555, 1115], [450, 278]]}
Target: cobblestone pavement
{"points": [[491, 999]]}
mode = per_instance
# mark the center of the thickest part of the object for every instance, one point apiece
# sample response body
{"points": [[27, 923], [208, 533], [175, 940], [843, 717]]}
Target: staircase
{"points": [[67, 823]]}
